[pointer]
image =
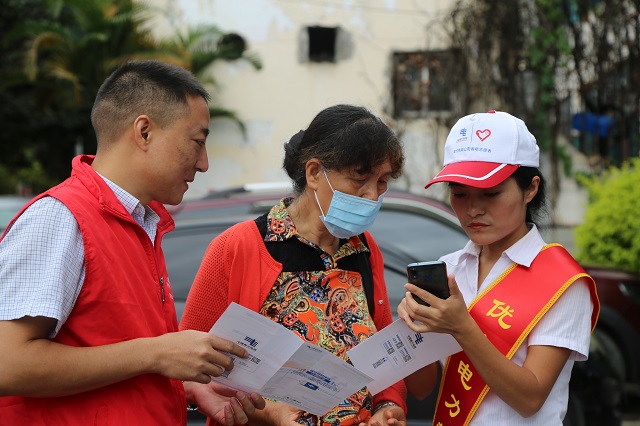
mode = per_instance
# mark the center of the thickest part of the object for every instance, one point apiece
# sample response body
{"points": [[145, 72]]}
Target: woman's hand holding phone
{"points": [[449, 316], [430, 276]]}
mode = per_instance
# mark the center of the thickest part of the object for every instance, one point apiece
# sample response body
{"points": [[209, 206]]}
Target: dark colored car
{"points": [[619, 327], [410, 228]]}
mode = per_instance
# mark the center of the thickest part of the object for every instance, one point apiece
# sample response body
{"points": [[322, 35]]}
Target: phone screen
{"points": [[430, 276]]}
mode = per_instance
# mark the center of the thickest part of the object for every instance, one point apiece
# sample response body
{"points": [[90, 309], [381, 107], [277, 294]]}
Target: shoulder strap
{"points": [[367, 275], [282, 252], [261, 223], [506, 312]]}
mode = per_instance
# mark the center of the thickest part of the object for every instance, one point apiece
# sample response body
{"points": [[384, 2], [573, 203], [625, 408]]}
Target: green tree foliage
{"points": [[17, 99], [198, 48], [516, 50], [610, 233], [535, 57], [66, 54], [58, 55], [605, 57]]}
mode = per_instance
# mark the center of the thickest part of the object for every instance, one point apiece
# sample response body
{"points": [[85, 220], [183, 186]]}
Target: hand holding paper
{"points": [[283, 367]]}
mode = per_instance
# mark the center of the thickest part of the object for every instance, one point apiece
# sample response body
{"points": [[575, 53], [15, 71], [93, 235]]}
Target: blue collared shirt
{"points": [[42, 258]]}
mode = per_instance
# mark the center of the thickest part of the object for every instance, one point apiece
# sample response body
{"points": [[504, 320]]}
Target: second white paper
{"points": [[397, 351], [283, 367]]}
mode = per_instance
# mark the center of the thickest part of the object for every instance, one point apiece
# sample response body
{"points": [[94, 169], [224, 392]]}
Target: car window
{"points": [[9, 207], [5, 217], [406, 237], [403, 237], [418, 237], [183, 249]]}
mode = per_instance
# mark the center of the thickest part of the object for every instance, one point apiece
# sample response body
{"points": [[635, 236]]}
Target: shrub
{"points": [[610, 233]]}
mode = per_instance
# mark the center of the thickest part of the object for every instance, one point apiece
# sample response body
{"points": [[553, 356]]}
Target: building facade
{"points": [[390, 56]]}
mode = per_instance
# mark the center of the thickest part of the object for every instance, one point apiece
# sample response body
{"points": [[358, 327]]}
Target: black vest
{"points": [[295, 255]]}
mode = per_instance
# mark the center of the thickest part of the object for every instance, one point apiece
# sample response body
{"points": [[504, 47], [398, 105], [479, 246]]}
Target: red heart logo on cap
{"points": [[483, 134]]}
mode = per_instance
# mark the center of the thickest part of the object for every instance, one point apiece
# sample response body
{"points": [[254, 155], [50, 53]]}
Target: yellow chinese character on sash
{"points": [[439, 424], [455, 403], [465, 374], [499, 311]]}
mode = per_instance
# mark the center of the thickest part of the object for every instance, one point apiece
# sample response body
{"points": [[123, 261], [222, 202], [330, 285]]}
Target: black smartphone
{"points": [[430, 276]]}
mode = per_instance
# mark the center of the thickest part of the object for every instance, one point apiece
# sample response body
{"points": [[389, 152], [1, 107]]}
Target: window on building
{"points": [[421, 83], [322, 44]]}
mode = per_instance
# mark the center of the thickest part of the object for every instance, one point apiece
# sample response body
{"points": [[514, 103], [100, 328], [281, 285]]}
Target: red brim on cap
{"points": [[478, 174]]}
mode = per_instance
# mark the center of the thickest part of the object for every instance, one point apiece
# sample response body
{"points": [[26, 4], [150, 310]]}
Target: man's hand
{"points": [[224, 405], [192, 355]]}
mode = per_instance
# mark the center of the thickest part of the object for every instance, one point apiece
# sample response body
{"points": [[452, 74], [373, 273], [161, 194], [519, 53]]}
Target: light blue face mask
{"points": [[348, 215]]}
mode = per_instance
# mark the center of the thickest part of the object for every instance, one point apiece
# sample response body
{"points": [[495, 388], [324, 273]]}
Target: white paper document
{"points": [[397, 351], [283, 367]]}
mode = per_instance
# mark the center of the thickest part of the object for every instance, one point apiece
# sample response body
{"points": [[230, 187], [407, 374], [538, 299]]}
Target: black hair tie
{"points": [[296, 140]]}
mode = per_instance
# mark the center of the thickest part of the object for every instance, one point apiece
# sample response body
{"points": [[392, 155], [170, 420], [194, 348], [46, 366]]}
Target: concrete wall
{"points": [[283, 97]]}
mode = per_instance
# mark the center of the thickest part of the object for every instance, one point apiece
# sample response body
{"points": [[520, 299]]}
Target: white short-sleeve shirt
{"points": [[567, 324]]}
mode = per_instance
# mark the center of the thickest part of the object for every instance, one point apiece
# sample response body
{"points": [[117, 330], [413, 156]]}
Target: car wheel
{"points": [[613, 351], [596, 385], [575, 411]]}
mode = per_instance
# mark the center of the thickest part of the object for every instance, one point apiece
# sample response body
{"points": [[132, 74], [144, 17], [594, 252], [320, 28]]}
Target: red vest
{"points": [[121, 299]]}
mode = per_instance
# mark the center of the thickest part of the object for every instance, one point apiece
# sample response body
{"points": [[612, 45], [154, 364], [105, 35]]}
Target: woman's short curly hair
{"points": [[340, 137]]}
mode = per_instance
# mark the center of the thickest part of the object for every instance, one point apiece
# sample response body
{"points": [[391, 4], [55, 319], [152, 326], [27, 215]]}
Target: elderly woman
{"points": [[309, 263]]}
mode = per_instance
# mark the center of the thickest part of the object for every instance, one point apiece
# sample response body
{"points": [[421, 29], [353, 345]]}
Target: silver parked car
{"points": [[10, 205], [409, 228]]}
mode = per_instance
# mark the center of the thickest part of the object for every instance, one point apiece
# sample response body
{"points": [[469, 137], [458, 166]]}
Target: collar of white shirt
{"points": [[522, 252]]}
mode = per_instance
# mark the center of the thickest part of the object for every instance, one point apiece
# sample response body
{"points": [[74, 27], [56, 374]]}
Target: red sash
{"points": [[506, 312]]}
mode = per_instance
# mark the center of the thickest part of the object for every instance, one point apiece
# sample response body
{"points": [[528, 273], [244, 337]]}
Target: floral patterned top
{"points": [[317, 298]]}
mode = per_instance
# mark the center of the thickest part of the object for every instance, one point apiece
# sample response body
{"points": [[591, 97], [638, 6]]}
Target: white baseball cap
{"points": [[484, 149]]}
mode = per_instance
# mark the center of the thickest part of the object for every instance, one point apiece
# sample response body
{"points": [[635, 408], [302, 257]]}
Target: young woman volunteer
{"points": [[521, 310]]}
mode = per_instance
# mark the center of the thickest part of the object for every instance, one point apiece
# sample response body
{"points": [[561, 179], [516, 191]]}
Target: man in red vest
{"points": [[87, 320]]}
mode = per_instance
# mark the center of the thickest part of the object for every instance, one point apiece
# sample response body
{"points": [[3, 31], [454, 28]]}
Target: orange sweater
{"points": [[238, 268]]}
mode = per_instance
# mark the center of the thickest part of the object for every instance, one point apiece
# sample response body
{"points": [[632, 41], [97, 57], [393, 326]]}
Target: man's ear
{"points": [[142, 131], [313, 170]]}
